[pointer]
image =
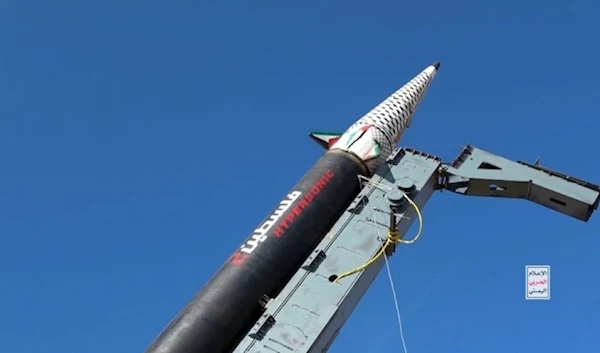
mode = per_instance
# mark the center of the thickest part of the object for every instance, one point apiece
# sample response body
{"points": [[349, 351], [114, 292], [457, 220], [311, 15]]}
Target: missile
{"points": [[225, 309]]}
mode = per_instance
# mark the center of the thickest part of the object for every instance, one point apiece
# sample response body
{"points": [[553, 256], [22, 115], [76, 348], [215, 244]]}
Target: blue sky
{"points": [[130, 130]]}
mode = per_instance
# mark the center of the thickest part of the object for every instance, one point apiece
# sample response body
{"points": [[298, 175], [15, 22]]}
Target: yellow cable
{"points": [[420, 216], [392, 238]]}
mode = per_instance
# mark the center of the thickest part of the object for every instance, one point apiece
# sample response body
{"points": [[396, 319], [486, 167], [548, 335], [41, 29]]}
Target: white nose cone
{"points": [[374, 136]]}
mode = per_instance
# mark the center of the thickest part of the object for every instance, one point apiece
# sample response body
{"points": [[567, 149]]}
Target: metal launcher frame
{"points": [[311, 310]]}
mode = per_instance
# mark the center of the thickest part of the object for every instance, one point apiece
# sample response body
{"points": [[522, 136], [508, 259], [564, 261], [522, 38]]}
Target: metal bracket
{"points": [[264, 325], [314, 260], [479, 173], [358, 204]]}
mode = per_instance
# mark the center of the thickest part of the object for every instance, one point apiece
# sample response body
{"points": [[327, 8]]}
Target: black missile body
{"points": [[225, 309], [228, 305]]}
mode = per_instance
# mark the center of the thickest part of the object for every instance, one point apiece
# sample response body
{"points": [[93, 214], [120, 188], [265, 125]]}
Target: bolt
{"points": [[396, 197], [405, 185]]}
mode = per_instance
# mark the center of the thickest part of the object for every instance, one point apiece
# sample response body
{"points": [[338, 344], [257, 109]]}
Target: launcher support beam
{"points": [[308, 314], [476, 172]]}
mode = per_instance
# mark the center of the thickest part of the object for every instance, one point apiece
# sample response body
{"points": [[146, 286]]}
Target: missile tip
{"points": [[436, 65]]}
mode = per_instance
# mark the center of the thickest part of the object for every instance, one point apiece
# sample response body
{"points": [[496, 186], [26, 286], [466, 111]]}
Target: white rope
{"points": [[364, 181], [394, 295], [387, 265]]}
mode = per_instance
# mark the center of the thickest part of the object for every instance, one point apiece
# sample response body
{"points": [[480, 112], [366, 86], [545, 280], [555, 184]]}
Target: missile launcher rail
{"points": [[308, 314]]}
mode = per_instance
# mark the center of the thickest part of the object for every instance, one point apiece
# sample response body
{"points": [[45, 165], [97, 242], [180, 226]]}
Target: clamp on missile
{"points": [[226, 308]]}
